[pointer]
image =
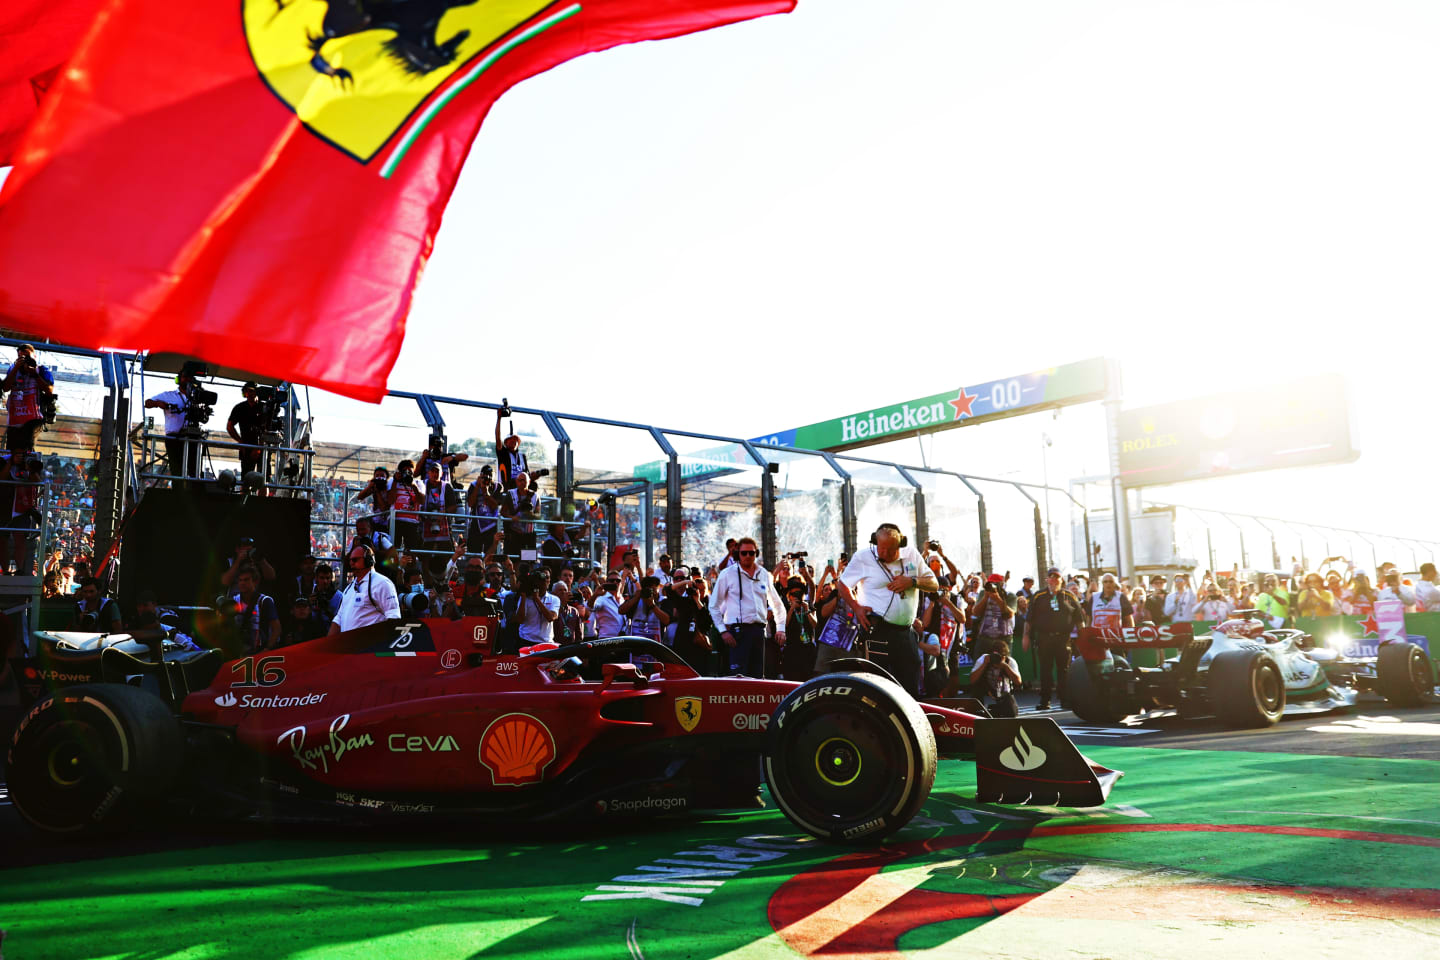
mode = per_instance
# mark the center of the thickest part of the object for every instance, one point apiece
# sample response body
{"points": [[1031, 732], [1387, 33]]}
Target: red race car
{"points": [[418, 718]]}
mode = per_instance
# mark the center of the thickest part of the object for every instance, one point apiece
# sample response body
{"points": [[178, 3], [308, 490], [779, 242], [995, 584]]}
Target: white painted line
{"points": [[1335, 816], [1111, 732]]}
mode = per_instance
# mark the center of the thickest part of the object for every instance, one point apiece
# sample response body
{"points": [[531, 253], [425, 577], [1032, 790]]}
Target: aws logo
{"points": [[357, 72]]}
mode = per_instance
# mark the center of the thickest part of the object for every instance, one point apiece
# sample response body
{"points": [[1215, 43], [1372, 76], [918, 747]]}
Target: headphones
{"points": [[369, 556], [875, 537]]}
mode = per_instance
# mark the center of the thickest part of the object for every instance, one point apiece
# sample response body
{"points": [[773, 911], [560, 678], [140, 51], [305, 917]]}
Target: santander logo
{"points": [[227, 700], [1022, 754]]}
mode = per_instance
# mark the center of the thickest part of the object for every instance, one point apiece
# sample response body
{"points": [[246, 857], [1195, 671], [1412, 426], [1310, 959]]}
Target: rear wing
{"points": [[1092, 642]]}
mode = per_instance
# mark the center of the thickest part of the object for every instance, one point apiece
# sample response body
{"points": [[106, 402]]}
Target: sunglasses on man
{"points": [[747, 553]]}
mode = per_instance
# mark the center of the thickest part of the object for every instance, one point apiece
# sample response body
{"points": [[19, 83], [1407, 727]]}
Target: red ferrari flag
{"points": [[259, 182], [36, 38]]}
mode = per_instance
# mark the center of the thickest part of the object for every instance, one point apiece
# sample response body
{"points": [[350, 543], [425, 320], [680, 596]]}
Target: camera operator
{"points": [[244, 426], [257, 622], [647, 619], [31, 402], [994, 616], [483, 498], [996, 675], [407, 500], [508, 455], [609, 621], [95, 613], [326, 600], [942, 622], [684, 605], [797, 653], [378, 492], [538, 609], [520, 506], [839, 634], [570, 626], [436, 453], [889, 577], [246, 553], [440, 498], [182, 455]]}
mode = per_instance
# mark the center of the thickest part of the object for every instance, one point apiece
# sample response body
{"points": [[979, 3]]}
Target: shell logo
{"points": [[516, 748]]}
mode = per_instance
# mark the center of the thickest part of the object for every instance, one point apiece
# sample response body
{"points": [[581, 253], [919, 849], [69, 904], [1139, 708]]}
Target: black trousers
{"points": [[1053, 653], [893, 646], [748, 654], [184, 456]]}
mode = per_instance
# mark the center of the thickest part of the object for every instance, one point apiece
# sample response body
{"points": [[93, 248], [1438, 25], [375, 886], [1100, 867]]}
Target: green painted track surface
{"points": [[1332, 849]]}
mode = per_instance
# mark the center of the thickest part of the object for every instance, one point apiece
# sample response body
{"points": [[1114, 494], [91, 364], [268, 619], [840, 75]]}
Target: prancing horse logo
{"points": [[355, 71], [687, 711]]}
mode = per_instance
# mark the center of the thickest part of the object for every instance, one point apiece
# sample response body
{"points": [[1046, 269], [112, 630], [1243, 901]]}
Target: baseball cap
{"points": [[1053, 571]]}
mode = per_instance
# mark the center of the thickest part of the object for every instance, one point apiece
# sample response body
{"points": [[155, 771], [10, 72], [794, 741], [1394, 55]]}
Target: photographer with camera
{"points": [[508, 455], [436, 453], [378, 492], [520, 507], [406, 499], [244, 426], [95, 613], [609, 621], [181, 406], [689, 617], [257, 621], [440, 498], [483, 500], [797, 655], [31, 401], [533, 609], [647, 618], [994, 615], [246, 553]]}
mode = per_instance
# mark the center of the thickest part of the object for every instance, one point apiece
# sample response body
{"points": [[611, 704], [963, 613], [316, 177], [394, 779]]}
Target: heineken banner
{"points": [[975, 403]]}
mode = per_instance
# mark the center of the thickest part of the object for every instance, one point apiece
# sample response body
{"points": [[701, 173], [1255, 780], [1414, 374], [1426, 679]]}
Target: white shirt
{"points": [[174, 419], [609, 622], [741, 597], [873, 575], [1180, 605], [370, 599], [534, 628], [1405, 595], [1427, 597]]}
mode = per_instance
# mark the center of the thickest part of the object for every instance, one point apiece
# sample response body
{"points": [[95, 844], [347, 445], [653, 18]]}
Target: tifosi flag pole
{"points": [[258, 183]]}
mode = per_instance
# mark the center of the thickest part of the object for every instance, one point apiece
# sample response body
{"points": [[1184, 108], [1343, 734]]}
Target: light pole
{"points": [[1045, 472]]}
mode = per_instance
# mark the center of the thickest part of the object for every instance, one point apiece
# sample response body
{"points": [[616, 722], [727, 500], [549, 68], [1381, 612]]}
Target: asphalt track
{"points": [[1319, 837]]}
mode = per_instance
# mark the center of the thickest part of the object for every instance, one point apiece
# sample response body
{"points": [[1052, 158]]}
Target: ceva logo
{"points": [[1022, 754], [228, 700]]}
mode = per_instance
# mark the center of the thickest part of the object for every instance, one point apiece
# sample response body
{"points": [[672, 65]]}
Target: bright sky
{"points": [[803, 216]]}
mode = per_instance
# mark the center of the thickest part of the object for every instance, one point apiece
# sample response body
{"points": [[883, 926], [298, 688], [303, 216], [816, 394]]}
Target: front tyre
{"points": [[88, 757], [1404, 675], [850, 756], [1246, 689]]}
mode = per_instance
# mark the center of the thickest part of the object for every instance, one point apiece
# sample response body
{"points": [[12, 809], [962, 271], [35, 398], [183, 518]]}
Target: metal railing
{"points": [[200, 447]]}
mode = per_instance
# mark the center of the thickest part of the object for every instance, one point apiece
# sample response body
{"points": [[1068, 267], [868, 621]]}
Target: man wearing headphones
{"points": [[889, 577], [369, 598]]}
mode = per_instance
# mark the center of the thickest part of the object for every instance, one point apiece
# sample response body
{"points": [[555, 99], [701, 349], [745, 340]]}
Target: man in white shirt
{"points": [[744, 595], [539, 609], [369, 598], [609, 621], [183, 455], [1180, 605], [889, 578], [1427, 591]]}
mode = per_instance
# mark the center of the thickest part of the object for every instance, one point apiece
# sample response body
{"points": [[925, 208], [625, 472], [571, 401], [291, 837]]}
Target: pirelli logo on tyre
{"points": [[817, 693]]}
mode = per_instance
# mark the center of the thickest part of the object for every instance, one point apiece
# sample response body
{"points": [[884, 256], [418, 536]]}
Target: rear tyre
{"points": [[88, 758], [849, 757], [1246, 689], [1089, 695], [1404, 674]]}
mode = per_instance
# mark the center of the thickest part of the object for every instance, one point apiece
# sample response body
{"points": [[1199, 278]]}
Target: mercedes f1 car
{"points": [[419, 718], [1241, 672]]}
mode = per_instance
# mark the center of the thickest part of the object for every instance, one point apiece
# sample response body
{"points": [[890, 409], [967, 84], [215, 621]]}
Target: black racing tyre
{"points": [[859, 665], [1090, 700], [849, 756], [1246, 689], [1404, 674], [89, 757]]}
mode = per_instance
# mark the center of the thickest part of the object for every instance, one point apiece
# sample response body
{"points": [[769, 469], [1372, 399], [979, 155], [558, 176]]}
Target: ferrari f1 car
{"points": [[1240, 672], [419, 718]]}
